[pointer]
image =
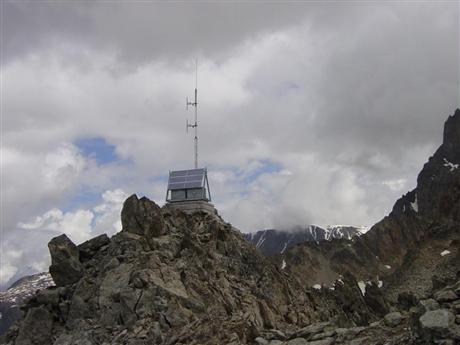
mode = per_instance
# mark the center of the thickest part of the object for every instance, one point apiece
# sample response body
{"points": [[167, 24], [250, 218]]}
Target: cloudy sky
{"points": [[310, 112]]}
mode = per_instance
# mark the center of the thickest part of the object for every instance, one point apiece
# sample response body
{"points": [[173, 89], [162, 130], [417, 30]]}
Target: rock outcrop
{"points": [[65, 261], [174, 278]]}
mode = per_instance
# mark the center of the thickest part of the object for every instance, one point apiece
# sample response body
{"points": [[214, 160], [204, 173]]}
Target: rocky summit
{"points": [[174, 278]]}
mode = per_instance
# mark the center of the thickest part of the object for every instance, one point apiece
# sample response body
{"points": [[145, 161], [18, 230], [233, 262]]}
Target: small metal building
{"points": [[188, 185]]}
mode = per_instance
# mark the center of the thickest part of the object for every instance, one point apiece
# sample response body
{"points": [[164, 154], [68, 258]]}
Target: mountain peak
{"points": [[451, 137]]}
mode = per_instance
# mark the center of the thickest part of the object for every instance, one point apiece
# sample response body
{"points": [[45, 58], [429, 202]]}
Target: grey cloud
{"points": [[347, 99]]}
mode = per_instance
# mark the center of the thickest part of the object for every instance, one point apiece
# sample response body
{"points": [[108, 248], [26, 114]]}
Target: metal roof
{"points": [[186, 179]]}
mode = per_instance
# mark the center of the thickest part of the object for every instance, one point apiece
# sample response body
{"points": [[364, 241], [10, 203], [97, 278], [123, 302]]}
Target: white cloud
{"points": [[396, 185], [82, 224], [77, 225], [108, 213]]}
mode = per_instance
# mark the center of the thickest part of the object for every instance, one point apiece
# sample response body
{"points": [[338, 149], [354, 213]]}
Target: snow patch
{"points": [[284, 248], [362, 286], [363, 229], [380, 283], [283, 265], [445, 252], [317, 287], [388, 267], [450, 165], [414, 204], [261, 240]]}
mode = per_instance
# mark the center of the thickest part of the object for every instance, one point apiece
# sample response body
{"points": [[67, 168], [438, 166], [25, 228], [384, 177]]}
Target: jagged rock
{"points": [[65, 266], [445, 296], [36, 328], [142, 217], [393, 319], [375, 299], [312, 329], [324, 335], [273, 334], [89, 248]]}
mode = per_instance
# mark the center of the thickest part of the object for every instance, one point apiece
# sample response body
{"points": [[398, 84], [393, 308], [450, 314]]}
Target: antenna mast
{"points": [[195, 105]]}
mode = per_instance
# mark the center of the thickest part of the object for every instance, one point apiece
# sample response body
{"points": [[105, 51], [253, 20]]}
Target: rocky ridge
{"points": [[174, 278]]}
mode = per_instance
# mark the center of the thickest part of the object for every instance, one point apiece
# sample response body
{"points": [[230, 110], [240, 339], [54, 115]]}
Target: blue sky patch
{"points": [[266, 167], [98, 149]]}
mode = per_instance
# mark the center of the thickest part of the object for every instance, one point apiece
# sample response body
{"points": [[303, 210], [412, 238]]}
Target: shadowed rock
{"points": [[142, 217], [65, 266]]}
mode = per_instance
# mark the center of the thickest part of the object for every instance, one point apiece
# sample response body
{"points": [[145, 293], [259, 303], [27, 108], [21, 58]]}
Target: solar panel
{"points": [[185, 179]]}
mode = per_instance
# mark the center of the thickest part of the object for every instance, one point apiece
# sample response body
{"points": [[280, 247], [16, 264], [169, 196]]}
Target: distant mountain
{"points": [[414, 249], [26, 271], [16, 294], [273, 241]]}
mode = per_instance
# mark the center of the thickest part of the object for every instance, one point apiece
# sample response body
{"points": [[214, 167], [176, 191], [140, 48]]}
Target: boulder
{"points": [[65, 266], [261, 341], [142, 217], [445, 296], [393, 319], [436, 324]]}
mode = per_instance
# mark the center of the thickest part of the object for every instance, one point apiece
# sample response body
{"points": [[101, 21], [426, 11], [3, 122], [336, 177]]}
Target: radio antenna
{"points": [[195, 105]]}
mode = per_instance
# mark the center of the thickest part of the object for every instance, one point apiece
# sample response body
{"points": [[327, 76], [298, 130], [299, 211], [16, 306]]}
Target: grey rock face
{"points": [[65, 266], [36, 328], [142, 217], [436, 324], [89, 248]]}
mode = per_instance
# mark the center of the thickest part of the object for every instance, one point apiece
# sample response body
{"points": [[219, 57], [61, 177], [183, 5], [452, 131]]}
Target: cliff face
{"points": [[173, 278], [405, 247]]}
